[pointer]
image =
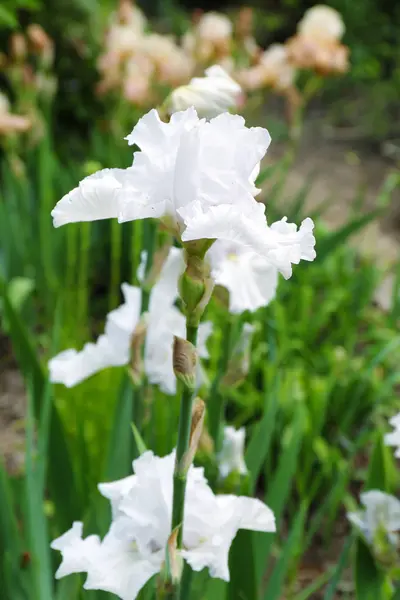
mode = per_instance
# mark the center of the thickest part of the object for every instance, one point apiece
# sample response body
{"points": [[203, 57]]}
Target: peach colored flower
{"points": [[10, 123]]}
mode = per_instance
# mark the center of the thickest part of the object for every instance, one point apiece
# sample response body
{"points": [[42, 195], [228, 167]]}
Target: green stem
{"points": [[185, 419], [216, 400], [180, 472]]}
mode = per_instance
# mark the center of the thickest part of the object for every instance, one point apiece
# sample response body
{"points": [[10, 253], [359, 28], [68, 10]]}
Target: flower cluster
{"points": [[197, 178], [317, 42], [140, 64], [9, 122], [136, 61], [133, 550], [315, 47]]}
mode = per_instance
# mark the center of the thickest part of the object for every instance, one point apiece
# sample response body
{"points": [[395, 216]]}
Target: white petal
{"points": [[111, 349], [153, 170], [115, 491], [210, 95], [231, 457], [97, 197], [218, 519], [381, 508], [159, 343], [155, 137], [121, 322], [71, 367], [254, 514], [120, 568], [250, 279], [223, 222], [165, 290], [395, 421], [77, 554]]}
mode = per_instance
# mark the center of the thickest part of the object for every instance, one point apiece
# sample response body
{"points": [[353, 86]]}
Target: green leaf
{"points": [[275, 584], [261, 438], [216, 590], [141, 446], [24, 347], [369, 579], [10, 543], [279, 488], [381, 470], [7, 18], [120, 453], [396, 595], [119, 458], [35, 517], [339, 237], [242, 585]]}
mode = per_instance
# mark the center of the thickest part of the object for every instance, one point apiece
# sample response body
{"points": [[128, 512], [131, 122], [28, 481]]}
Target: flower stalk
{"points": [[182, 447]]}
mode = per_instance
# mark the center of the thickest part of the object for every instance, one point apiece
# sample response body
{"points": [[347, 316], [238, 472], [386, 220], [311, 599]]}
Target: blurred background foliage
{"points": [[365, 99]]}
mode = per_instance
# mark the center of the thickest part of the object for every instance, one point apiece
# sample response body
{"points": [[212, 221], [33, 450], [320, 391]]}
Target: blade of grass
{"points": [[339, 237], [35, 516], [342, 563], [274, 589], [242, 585], [261, 438], [278, 491]]}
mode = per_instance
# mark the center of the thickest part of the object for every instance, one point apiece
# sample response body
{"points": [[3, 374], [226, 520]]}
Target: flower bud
{"points": [[196, 428], [138, 338], [211, 95], [195, 287], [41, 43], [185, 362], [18, 47], [171, 572]]}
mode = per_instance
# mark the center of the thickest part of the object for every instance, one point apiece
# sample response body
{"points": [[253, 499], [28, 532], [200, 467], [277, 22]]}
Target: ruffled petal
{"points": [[153, 170], [121, 569], [110, 350], [250, 279], [217, 520], [77, 554], [115, 491], [154, 137], [97, 197], [251, 512], [71, 367], [224, 222]]}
